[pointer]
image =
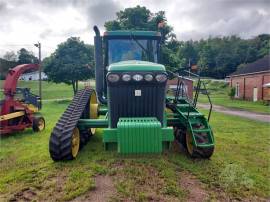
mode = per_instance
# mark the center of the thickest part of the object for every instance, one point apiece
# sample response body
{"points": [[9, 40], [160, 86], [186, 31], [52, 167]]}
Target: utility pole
{"points": [[38, 45], [189, 67]]}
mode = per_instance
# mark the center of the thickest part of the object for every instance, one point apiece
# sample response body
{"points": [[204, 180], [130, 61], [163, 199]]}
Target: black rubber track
{"points": [[204, 153], [60, 140]]}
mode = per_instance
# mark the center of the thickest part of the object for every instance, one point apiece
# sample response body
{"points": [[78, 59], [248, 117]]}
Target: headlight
{"points": [[126, 77], [137, 77], [113, 77], [148, 77], [161, 77]]}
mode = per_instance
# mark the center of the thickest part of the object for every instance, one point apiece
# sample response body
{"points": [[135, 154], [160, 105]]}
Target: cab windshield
{"points": [[132, 49]]}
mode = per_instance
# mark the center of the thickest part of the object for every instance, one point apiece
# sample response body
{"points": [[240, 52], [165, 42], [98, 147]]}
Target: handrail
{"points": [[210, 102], [180, 85], [198, 89]]}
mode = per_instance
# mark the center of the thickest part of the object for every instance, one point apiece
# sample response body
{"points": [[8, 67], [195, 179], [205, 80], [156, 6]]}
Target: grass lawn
{"points": [[239, 168], [219, 96]]}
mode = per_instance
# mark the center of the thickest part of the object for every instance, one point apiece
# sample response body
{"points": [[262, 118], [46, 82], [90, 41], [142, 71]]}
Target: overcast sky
{"points": [[24, 22]]}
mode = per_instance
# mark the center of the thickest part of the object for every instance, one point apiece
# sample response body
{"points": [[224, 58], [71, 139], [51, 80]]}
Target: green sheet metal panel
{"points": [[139, 135], [135, 65]]}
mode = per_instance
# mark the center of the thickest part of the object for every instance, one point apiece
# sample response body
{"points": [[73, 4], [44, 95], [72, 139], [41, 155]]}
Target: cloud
{"points": [[3, 7], [44, 34], [53, 21], [98, 12]]}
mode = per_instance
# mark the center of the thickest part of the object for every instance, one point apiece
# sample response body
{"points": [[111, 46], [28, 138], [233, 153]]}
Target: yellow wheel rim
{"points": [[75, 142], [41, 124], [93, 130], [189, 142], [93, 109]]}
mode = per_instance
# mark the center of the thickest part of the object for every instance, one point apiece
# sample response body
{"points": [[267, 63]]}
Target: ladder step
{"points": [[192, 114], [184, 105], [201, 130], [205, 145], [194, 121]]}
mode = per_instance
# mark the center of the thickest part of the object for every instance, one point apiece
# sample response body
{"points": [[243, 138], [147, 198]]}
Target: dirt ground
{"points": [[103, 191]]}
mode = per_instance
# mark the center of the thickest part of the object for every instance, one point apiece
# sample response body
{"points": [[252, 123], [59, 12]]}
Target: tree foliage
{"points": [[139, 18], [72, 61], [26, 57], [216, 57], [10, 56], [220, 56]]}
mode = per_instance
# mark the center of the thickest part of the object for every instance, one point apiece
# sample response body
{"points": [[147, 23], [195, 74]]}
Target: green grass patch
{"points": [[239, 166]]}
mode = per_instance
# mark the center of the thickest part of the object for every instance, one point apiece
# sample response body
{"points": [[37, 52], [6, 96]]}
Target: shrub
{"points": [[232, 92]]}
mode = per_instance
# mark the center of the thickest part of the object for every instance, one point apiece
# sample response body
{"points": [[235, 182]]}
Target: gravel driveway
{"points": [[238, 112]]}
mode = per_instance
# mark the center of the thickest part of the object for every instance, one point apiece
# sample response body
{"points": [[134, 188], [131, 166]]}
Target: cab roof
{"points": [[131, 32]]}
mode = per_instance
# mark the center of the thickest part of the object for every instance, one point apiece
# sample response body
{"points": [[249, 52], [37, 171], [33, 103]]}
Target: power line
{"points": [[16, 44]]}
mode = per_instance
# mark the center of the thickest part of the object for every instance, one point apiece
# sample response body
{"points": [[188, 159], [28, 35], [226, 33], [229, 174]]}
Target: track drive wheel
{"points": [[38, 124], [197, 152], [91, 111]]}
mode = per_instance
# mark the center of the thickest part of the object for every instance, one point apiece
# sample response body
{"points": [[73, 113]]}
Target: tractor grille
{"points": [[124, 103]]}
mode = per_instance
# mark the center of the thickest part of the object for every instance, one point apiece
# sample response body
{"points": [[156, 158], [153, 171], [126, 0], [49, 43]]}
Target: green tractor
{"points": [[131, 104]]}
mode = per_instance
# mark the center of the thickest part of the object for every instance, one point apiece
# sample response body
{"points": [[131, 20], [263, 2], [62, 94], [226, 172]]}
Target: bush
{"points": [[232, 92]]}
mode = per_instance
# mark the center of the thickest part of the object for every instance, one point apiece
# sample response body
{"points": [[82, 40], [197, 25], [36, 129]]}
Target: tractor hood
{"points": [[135, 65]]}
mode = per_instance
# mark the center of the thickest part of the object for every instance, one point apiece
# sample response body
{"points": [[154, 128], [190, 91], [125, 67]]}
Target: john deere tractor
{"points": [[130, 103]]}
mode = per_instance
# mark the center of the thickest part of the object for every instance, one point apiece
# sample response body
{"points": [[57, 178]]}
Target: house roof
{"points": [[260, 65]]}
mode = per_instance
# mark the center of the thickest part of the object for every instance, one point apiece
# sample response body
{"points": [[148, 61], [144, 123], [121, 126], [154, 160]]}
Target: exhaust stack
{"points": [[99, 66]]}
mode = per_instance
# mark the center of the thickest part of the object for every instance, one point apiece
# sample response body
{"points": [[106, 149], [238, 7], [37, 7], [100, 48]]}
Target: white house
{"points": [[33, 76]]}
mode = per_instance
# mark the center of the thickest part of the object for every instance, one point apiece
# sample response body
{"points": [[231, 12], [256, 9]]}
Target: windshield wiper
{"points": [[144, 49]]}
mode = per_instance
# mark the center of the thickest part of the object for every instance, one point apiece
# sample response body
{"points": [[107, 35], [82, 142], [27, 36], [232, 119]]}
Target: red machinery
{"points": [[16, 114]]}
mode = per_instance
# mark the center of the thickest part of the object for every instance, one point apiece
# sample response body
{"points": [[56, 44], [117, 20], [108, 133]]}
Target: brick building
{"points": [[188, 85], [251, 81]]}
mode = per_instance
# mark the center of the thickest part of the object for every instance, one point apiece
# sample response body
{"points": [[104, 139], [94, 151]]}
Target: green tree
{"points": [[231, 92], [10, 56], [216, 57], [26, 57], [141, 18], [72, 61]]}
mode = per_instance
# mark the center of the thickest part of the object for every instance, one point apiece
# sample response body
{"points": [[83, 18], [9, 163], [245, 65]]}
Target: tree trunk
{"points": [[74, 87]]}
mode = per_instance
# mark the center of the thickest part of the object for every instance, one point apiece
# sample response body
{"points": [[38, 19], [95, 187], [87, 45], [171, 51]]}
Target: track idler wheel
{"points": [[197, 152], [75, 142]]}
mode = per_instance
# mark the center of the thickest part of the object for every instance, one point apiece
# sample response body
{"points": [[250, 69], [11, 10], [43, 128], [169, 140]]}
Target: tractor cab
{"points": [[131, 45]]}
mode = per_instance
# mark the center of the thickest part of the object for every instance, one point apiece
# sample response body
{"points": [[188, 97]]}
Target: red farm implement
{"points": [[19, 109]]}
